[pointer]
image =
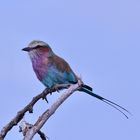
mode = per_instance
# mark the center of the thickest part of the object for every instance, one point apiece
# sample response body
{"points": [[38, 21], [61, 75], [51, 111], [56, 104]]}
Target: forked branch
{"points": [[45, 116]]}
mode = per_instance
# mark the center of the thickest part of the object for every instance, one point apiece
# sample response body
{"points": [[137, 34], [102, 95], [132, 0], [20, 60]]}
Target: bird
{"points": [[52, 70]]}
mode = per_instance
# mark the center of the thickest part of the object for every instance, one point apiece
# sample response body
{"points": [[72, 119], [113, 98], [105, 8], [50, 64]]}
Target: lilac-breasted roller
{"points": [[53, 70]]}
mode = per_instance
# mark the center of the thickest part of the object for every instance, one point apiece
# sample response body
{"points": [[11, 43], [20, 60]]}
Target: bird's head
{"points": [[37, 47]]}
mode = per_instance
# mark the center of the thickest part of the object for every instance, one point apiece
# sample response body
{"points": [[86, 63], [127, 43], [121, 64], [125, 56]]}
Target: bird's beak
{"points": [[27, 49]]}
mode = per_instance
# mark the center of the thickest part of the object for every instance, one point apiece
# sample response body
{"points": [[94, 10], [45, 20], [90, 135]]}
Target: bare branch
{"points": [[49, 112], [27, 108]]}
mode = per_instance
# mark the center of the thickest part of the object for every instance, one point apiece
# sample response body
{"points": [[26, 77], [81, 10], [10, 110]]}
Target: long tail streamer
{"points": [[114, 105]]}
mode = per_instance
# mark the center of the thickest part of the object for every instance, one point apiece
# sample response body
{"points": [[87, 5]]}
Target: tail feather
{"points": [[114, 105], [87, 87]]}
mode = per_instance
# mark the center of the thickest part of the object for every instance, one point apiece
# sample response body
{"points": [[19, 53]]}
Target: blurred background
{"points": [[99, 39]]}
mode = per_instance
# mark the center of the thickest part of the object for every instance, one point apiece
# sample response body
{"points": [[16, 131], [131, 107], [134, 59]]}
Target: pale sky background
{"points": [[101, 41]]}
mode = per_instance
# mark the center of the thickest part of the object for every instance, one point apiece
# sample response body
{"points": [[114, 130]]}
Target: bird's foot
{"points": [[45, 98], [45, 93], [59, 87]]}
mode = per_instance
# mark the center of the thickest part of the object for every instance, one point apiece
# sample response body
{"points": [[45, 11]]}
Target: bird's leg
{"points": [[58, 87], [45, 93]]}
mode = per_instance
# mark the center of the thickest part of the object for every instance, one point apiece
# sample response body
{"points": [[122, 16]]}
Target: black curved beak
{"points": [[27, 49]]}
